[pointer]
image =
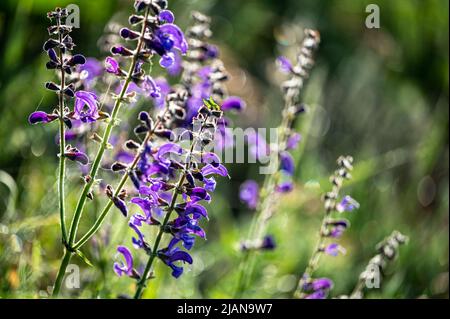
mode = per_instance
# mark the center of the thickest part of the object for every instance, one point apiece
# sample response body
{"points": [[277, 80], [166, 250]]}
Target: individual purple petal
{"points": [[284, 64], [195, 210], [210, 184], [149, 86], [167, 60], [211, 158], [41, 117], [127, 267], [177, 65], [174, 33], [287, 163], [166, 16], [211, 170], [138, 242], [233, 103], [167, 151], [112, 66], [293, 141], [249, 193], [347, 204], [86, 108]]}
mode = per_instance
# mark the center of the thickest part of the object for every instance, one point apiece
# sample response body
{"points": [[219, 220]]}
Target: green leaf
{"points": [[84, 258]]}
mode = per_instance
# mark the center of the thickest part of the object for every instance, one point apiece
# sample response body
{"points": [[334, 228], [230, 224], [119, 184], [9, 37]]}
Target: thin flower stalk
{"points": [[373, 274], [266, 199], [330, 228]]}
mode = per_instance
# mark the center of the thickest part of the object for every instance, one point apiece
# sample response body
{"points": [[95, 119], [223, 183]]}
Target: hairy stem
{"points": [[62, 147]]}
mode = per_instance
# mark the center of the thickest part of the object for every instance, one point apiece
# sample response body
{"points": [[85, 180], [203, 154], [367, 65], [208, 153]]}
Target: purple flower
{"points": [[293, 141], [149, 85], [233, 103], [285, 187], [287, 163], [213, 170], [268, 243], [284, 64], [249, 193], [177, 64], [138, 242], [347, 204], [120, 204], [167, 38], [41, 117], [318, 288], [337, 227], [148, 206], [77, 156], [112, 66], [124, 268], [90, 70], [173, 254], [86, 108], [334, 249]]}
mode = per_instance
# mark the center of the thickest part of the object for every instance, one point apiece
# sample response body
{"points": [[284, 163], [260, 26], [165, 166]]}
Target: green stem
{"points": [[62, 148], [105, 140], [61, 272]]}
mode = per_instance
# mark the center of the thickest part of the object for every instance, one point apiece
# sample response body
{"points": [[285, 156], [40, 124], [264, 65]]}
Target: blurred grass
{"points": [[379, 95]]}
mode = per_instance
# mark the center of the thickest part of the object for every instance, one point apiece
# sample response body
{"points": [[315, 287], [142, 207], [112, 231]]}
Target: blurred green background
{"points": [[380, 95]]}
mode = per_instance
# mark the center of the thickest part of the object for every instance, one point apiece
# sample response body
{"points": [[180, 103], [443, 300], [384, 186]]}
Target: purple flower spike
{"points": [[124, 268], [347, 204], [112, 66], [166, 16], [284, 64], [293, 141], [249, 193], [41, 117], [86, 108], [287, 163], [233, 103]]}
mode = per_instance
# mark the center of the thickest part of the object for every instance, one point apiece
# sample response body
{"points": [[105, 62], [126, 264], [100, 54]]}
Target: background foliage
{"points": [[379, 95]]}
